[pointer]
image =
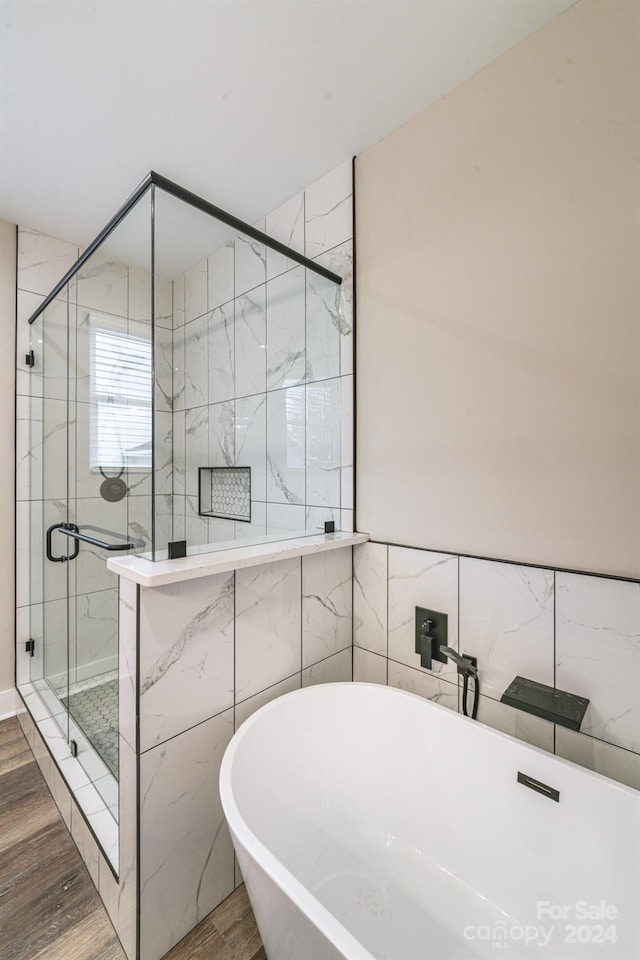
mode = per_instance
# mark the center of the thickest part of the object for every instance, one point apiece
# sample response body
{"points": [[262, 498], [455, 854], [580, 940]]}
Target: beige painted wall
{"points": [[7, 450], [498, 292]]}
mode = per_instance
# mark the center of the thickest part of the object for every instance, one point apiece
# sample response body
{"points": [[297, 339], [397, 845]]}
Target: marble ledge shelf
{"points": [[158, 573]]}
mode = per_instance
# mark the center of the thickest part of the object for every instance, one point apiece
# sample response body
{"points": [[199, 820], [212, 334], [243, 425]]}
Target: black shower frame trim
{"points": [[175, 190]]}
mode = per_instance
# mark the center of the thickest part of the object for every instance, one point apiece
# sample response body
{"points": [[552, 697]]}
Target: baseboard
{"points": [[8, 703]]}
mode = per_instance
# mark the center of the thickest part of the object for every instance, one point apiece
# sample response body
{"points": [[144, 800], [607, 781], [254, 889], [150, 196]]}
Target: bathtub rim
{"points": [[339, 936]]}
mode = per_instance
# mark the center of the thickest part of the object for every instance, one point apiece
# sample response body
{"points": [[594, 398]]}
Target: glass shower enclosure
{"points": [[189, 383]]}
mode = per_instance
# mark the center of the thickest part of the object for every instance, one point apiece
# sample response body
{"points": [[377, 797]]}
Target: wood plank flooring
{"points": [[49, 908]]}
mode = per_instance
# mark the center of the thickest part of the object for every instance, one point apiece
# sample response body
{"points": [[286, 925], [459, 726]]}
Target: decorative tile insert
{"points": [[225, 492]]}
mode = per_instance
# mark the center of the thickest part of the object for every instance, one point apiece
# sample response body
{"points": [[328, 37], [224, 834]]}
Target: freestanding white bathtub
{"points": [[370, 823]]}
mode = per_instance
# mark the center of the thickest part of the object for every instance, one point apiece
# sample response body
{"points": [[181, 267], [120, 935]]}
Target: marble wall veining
{"points": [[578, 632], [263, 371], [212, 651]]}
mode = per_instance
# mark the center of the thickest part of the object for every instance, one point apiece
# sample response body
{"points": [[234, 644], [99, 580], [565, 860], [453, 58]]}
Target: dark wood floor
{"points": [[49, 908]]}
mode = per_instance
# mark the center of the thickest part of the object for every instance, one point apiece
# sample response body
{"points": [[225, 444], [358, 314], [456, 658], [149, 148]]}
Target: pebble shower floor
{"points": [[95, 710]]}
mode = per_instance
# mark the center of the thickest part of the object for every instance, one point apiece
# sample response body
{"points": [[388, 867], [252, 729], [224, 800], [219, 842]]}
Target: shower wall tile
{"points": [[29, 588], [328, 211], [598, 653], [196, 446], [28, 379], [196, 528], [347, 446], [316, 517], [268, 610], [140, 518], [286, 446], [186, 656], [423, 684], [340, 261], [284, 333], [139, 302], [506, 621], [327, 617], [335, 669], [258, 525], [42, 261], [163, 366], [220, 266], [163, 452], [221, 350], [517, 724], [248, 707], [221, 531], [425, 579], [221, 435], [250, 264], [369, 667], [286, 319], [324, 328], [183, 835], [96, 623], [164, 302], [89, 567], [604, 758], [196, 373], [370, 571], [29, 454], [251, 343], [103, 285], [346, 520], [179, 367], [179, 453], [285, 224], [54, 348], [178, 301], [250, 425], [285, 517], [55, 423], [195, 291], [163, 521]]}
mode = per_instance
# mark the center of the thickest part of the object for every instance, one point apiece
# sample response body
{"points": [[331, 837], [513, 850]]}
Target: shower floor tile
{"points": [[95, 710]]}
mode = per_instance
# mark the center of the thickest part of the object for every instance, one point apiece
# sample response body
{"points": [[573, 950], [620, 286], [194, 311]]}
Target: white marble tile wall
{"points": [[578, 632], [278, 344], [186, 657], [186, 855]]}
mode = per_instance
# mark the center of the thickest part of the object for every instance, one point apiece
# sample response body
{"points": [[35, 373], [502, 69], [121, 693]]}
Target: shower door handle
{"points": [[64, 527], [71, 530]]}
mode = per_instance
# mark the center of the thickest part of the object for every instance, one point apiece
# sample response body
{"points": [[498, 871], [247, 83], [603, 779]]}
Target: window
{"points": [[121, 393]]}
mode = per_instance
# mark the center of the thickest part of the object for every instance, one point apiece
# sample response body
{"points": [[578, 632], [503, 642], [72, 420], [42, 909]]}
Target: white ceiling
{"points": [[242, 101]]}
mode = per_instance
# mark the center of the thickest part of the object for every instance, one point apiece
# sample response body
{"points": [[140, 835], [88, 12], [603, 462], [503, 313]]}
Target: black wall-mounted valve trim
{"points": [[431, 634], [329, 526]]}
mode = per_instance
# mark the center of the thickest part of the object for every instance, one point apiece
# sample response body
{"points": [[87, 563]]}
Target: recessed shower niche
{"points": [[191, 379]]}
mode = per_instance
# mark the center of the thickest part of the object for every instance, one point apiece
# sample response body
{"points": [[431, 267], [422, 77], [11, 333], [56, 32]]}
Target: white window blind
{"points": [[121, 392]]}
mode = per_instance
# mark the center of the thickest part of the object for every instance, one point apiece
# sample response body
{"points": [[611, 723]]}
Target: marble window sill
{"points": [[149, 573]]}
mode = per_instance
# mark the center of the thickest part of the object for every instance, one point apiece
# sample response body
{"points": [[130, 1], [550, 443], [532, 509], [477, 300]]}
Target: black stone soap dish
{"points": [[558, 706]]}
